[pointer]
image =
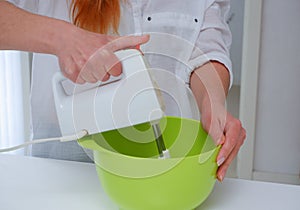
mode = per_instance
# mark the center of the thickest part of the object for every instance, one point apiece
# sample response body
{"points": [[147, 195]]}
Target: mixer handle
{"points": [[71, 88]]}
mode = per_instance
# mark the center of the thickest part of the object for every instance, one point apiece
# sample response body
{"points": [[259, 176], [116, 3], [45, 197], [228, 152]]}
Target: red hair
{"points": [[101, 16]]}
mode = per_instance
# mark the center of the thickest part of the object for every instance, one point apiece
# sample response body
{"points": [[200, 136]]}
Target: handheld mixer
{"points": [[128, 100]]}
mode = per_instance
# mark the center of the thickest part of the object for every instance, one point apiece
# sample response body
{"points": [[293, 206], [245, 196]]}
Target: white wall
{"points": [[277, 140], [235, 21]]}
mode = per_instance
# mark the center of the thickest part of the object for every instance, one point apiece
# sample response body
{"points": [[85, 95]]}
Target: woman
{"points": [[188, 38]]}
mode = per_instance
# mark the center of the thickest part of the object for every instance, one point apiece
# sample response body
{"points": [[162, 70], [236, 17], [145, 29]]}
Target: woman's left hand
{"points": [[209, 84], [227, 131]]}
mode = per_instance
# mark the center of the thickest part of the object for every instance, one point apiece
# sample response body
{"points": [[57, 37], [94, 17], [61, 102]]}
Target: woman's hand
{"points": [[89, 57], [83, 56], [226, 131], [209, 84]]}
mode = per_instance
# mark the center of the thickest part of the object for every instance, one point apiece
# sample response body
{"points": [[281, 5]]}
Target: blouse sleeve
{"points": [[214, 39], [29, 5]]}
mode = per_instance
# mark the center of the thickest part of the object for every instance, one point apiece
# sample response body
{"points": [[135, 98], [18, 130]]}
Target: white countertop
{"points": [[45, 184]]}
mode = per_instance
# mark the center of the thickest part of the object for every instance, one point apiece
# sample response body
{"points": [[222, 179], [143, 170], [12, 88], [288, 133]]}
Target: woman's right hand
{"points": [[83, 56], [89, 57]]}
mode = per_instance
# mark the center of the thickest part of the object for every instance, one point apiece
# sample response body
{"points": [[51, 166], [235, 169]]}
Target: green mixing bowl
{"points": [[135, 178]]}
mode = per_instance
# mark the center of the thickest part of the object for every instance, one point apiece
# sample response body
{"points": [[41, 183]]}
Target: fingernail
{"points": [[220, 161], [138, 47], [220, 178]]}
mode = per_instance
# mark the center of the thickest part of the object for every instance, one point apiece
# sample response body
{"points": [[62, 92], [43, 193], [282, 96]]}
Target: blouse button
{"points": [[196, 20], [149, 18]]}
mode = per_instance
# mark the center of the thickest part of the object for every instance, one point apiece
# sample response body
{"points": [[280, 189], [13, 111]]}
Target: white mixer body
{"points": [[124, 101]]}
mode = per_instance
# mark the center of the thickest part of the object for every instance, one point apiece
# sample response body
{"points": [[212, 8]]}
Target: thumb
{"points": [[221, 140], [126, 42], [218, 137], [215, 131]]}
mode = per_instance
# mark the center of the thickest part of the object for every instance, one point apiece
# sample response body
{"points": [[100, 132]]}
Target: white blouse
{"points": [[183, 36]]}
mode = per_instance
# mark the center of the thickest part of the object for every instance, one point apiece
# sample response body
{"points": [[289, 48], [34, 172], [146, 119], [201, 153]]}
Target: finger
{"points": [[218, 135], [127, 42], [214, 129], [73, 77], [79, 80], [88, 76], [94, 69], [114, 66], [102, 64], [105, 77], [111, 63], [224, 167], [111, 37], [69, 69], [232, 133]]}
